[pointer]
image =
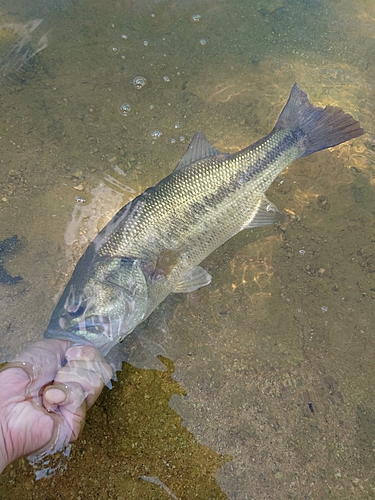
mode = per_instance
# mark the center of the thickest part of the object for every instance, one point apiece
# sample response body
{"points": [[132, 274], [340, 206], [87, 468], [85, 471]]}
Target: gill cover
{"points": [[107, 308]]}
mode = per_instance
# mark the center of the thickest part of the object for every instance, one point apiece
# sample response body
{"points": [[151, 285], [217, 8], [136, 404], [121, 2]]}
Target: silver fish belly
{"points": [[153, 246]]}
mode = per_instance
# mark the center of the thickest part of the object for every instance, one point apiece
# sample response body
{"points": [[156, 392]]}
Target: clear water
{"points": [[269, 387]]}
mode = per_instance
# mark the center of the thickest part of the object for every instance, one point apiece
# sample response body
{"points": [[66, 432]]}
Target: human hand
{"points": [[44, 395]]}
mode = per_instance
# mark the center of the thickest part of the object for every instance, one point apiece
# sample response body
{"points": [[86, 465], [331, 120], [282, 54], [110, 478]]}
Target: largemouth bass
{"points": [[153, 246]]}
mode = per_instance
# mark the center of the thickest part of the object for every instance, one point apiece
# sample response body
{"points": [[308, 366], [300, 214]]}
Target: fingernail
{"points": [[84, 352], [55, 395]]}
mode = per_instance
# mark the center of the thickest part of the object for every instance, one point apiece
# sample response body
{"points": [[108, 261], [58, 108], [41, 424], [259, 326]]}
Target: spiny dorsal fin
{"points": [[199, 148]]}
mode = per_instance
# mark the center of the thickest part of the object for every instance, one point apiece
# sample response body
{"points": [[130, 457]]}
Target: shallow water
{"points": [[268, 384]]}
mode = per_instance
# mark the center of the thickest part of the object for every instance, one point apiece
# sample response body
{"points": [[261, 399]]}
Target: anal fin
{"points": [[266, 214]]}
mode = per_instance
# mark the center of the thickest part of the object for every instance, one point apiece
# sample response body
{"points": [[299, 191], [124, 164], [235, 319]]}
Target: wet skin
{"points": [[44, 396]]}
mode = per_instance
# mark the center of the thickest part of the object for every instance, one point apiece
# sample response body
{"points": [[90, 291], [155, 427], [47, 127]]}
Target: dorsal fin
{"points": [[199, 148]]}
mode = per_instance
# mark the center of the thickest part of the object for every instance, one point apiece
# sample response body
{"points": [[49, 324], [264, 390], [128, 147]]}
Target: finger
{"points": [[68, 420], [87, 352], [86, 366], [70, 402], [74, 410], [77, 386], [87, 376], [55, 395], [61, 435], [40, 361], [93, 356]]}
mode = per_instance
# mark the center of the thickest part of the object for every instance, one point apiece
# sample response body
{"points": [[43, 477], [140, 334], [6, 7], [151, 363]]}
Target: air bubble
{"points": [[324, 309], [203, 42], [80, 200], [114, 49], [182, 138], [139, 82], [166, 79], [173, 141], [124, 37], [151, 106], [176, 125], [125, 109], [155, 134], [196, 18], [302, 251], [145, 43]]}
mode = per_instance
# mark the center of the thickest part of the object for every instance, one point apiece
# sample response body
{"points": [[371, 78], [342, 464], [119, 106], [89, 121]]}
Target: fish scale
{"points": [[197, 204], [190, 203], [153, 246]]}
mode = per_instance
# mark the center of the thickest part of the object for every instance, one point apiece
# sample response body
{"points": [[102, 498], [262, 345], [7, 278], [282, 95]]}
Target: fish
{"points": [[154, 245]]}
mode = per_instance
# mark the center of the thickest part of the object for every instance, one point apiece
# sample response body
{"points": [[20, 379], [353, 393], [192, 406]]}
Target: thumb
{"points": [[70, 402]]}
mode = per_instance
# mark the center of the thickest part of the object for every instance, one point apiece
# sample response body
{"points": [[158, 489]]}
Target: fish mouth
{"points": [[103, 345], [65, 335]]}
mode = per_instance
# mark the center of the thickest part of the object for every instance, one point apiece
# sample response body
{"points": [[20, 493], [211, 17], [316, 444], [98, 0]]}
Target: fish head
{"points": [[108, 307]]}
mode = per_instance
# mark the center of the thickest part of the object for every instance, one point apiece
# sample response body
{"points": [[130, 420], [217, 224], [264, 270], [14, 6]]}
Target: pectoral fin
{"points": [[194, 279], [266, 214], [167, 260]]}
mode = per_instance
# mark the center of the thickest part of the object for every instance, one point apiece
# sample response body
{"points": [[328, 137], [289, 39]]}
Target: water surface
{"points": [[267, 389]]}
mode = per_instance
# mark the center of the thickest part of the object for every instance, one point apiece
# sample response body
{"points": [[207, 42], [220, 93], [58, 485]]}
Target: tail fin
{"points": [[317, 128]]}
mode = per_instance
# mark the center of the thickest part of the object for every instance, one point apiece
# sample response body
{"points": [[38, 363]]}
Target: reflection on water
{"points": [[273, 361], [17, 38]]}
